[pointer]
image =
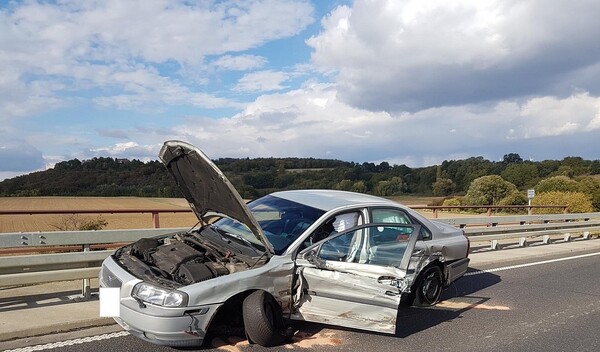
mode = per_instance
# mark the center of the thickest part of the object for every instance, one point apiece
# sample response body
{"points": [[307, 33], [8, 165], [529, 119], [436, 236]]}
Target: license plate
{"points": [[110, 301]]}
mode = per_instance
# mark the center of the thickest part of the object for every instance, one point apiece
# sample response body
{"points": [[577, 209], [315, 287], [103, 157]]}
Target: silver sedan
{"points": [[324, 256]]}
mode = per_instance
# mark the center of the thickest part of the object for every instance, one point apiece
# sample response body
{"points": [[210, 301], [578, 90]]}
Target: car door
{"points": [[356, 278]]}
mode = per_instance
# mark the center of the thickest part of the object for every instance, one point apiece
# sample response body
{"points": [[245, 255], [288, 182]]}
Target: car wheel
{"points": [[263, 320], [429, 287]]}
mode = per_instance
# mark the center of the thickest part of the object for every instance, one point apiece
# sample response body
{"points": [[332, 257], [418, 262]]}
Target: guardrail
{"points": [[154, 212], [489, 208], [527, 228], [85, 264]]}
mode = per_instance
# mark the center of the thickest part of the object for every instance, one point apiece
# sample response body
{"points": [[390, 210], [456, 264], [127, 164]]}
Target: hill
{"points": [[255, 177]]}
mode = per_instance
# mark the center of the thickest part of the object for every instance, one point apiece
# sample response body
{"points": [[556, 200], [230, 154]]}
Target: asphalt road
{"points": [[547, 307]]}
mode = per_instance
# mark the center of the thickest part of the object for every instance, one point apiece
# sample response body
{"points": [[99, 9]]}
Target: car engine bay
{"points": [[180, 259]]}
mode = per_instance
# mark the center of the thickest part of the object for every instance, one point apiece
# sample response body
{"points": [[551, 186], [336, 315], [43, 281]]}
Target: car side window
{"points": [[334, 225], [374, 245], [387, 215]]}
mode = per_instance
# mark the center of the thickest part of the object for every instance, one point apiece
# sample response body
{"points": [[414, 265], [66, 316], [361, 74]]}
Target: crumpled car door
{"points": [[355, 279]]}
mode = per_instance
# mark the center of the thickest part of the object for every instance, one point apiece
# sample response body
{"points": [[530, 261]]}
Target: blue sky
{"points": [[413, 82]]}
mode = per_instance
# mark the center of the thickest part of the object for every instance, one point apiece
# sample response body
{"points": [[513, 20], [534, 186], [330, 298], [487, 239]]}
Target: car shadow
{"points": [[465, 289], [315, 336], [13, 303]]}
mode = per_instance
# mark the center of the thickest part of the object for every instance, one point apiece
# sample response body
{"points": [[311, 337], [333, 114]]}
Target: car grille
{"points": [[110, 279]]}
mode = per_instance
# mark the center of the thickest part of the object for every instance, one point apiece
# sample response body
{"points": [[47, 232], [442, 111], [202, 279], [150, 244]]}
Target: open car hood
{"points": [[206, 188]]}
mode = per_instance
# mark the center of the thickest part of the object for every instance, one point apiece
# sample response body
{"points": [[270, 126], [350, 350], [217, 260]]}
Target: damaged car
{"points": [[325, 256]]}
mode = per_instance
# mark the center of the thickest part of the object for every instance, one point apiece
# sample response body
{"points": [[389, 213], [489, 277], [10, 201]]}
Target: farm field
{"points": [[36, 222], [23, 223]]}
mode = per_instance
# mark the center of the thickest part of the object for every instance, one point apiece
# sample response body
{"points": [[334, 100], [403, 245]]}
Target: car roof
{"points": [[329, 199]]}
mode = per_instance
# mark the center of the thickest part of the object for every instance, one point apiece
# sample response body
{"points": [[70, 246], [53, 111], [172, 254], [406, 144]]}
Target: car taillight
{"points": [[468, 244]]}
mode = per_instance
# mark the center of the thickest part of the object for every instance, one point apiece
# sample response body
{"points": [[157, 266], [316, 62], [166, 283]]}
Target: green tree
{"points": [[488, 190], [515, 198], [344, 185], [557, 184], [591, 187], [576, 202], [443, 187], [512, 158], [595, 167], [389, 188], [359, 187], [522, 175]]}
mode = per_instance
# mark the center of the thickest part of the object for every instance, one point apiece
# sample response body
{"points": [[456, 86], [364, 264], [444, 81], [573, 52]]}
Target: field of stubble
{"points": [[17, 223]]}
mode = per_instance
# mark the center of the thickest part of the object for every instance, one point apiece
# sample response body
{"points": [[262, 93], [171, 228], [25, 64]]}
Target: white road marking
{"points": [[50, 346], [53, 345], [530, 264]]}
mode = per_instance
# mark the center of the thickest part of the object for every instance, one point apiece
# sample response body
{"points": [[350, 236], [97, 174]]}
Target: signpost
{"points": [[530, 195]]}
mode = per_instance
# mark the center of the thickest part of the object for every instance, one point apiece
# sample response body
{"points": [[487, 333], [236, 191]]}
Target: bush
{"points": [[557, 184], [78, 223], [577, 202], [451, 202], [591, 186], [488, 190], [443, 187], [515, 198]]}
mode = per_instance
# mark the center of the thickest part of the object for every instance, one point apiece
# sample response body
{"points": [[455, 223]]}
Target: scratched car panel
{"points": [[332, 257]]}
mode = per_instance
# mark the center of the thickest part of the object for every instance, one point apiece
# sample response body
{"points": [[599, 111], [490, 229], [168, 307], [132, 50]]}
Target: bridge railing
{"points": [[85, 262]]}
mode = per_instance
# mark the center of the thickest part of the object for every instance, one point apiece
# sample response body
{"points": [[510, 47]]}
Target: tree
{"points": [[359, 187], [595, 167], [591, 187], [521, 175], [389, 188], [557, 184], [576, 202], [511, 158], [344, 185], [443, 187], [488, 190]]}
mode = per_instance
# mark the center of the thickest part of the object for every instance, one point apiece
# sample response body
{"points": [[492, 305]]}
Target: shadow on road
{"points": [[14, 302], [411, 319]]}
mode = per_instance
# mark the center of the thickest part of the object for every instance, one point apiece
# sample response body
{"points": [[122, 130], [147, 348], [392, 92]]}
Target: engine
{"points": [[184, 260]]}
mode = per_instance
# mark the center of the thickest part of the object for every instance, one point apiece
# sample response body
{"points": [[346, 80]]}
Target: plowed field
{"points": [[17, 223]]}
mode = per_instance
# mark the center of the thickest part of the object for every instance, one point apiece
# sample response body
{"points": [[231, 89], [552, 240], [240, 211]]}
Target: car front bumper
{"points": [[178, 327]]}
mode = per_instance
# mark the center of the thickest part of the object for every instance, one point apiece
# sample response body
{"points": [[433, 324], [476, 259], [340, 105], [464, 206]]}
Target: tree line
{"points": [[255, 177]]}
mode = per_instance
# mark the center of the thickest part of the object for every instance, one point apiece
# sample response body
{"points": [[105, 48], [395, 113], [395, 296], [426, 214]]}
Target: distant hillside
{"points": [[256, 177]]}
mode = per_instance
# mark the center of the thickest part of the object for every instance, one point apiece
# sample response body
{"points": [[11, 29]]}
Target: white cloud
{"points": [[127, 150], [48, 48], [550, 116], [262, 81], [314, 122], [410, 55], [240, 62]]}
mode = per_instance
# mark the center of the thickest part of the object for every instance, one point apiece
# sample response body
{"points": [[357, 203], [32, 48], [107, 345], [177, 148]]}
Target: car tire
{"points": [[263, 320], [429, 287]]}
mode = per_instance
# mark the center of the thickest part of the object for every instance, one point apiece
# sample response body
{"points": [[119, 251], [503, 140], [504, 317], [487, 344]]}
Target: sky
{"points": [[404, 81]]}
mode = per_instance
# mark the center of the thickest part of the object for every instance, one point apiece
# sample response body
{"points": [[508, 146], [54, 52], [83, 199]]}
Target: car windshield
{"points": [[281, 220]]}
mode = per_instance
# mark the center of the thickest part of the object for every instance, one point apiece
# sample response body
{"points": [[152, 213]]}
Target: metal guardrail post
{"points": [[86, 290], [155, 220]]}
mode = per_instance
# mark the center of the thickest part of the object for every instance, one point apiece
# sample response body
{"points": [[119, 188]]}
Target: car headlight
{"points": [[159, 296]]}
